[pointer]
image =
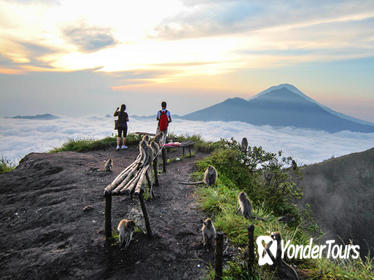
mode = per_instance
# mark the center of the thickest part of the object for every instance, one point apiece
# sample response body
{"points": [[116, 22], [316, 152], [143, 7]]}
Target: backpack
{"points": [[164, 122]]}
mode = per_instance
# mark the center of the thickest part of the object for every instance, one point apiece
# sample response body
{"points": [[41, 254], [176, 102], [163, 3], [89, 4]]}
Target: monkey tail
{"points": [[191, 183], [257, 218]]}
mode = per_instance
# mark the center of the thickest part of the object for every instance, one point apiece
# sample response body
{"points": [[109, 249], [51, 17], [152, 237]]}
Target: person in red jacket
{"points": [[163, 118]]}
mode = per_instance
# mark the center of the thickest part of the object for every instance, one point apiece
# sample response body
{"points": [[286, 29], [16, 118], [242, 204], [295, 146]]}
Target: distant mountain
{"points": [[341, 194], [282, 105], [37, 117]]}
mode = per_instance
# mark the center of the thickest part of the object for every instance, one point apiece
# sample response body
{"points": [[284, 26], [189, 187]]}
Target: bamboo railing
{"points": [[130, 180]]}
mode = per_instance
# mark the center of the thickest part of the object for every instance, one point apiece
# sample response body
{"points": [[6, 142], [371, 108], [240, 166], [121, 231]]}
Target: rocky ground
{"points": [[52, 221]]}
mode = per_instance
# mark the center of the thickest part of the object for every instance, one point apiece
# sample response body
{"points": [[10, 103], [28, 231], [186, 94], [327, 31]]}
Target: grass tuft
{"points": [[86, 145], [6, 165]]}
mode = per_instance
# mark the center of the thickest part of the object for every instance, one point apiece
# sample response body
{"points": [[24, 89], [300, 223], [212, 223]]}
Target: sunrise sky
{"points": [[87, 57]]}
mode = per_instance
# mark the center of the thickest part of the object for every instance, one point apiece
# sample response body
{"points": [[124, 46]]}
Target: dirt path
{"points": [[45, 233]]}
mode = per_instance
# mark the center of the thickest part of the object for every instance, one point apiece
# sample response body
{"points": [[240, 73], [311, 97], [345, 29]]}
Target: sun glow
{"points": [[166, 39]]}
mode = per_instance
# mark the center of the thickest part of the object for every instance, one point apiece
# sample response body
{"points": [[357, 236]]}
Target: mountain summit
{"points": [[282, 105]]}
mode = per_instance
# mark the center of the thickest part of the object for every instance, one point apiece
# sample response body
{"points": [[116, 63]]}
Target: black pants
{"points": [[122, 130]]}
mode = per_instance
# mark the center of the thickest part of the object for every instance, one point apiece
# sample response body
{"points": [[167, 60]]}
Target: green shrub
{"points": [[6, 165], [85, 145], [246, 171], [360, 269], [200, 145]]}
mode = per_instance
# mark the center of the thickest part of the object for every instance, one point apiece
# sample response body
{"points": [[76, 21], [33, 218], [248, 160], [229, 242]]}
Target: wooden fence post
{"points": [[155, 170], [164, 159], [108, 215], [145, 214], [150, 185], [251, 249], [218, 256]]}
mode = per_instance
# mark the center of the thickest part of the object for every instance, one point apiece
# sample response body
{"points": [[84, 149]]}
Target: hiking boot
{"points": [[123, 147]]}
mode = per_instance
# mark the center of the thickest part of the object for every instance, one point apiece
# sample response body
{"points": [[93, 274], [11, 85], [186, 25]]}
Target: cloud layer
{"points": [[19, 137], [89, 39], [231, 32]]}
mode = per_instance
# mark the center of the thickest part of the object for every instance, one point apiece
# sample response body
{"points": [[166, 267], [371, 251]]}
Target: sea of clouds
{"points": [[19, 137]]}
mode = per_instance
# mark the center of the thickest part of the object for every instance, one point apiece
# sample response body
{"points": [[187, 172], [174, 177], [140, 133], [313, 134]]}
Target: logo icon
{"points": [[310, 251], [264, 257]]}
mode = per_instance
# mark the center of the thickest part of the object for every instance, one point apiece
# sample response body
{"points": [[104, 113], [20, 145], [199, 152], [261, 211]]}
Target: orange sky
{"points": [[184, 49]]}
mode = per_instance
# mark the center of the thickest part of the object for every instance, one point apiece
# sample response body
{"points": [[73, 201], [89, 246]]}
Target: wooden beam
{"points": [[251, 249], [150, 185], [218, 256], [138, 188], [164, 159], [122, 175], [144, 133], [130, 187], [155, 170], [145, 214]]}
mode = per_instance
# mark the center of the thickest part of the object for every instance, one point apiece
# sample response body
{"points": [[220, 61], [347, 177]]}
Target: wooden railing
{"points": [[130, 180]]}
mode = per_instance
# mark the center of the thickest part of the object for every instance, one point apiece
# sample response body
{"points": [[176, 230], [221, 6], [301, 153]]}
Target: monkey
{"points": [[287, 219], [141, 146], [209, 233], [156, 148], [147, 152], [146, 138], [125, 229], [268, 176], [108, 165], [244, 145], [294, 165], [284, 270], [275, 236], [160, 138], [245, 207], [151, 152], [210, 177]]}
